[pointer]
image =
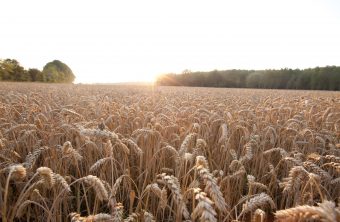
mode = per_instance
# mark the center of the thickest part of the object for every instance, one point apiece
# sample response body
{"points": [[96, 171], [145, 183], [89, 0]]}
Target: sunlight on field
{"points": [[141, 153]]}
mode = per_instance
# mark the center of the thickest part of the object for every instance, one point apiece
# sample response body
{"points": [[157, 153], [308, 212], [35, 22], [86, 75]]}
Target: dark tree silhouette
{"points": [[319, 78]]}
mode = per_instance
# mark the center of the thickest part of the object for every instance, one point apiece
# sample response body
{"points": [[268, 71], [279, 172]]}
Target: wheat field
{"points": [[142, 153]]}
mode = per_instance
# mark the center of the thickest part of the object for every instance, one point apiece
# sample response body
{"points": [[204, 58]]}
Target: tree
{"points": [[56, 71], [321, 78], [11, 70], [35, 75], [255, 79]]}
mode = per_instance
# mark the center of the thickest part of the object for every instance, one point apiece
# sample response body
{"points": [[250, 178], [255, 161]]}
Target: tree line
{"points": [[319, 78], [53, 72]]}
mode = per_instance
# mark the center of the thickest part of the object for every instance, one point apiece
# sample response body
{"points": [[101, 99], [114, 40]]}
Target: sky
{"points": [[107, 41]]}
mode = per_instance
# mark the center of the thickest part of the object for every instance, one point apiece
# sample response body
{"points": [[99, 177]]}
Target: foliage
{"points": [[11, 70], [319, 78], [35, 75], [55, 71]]}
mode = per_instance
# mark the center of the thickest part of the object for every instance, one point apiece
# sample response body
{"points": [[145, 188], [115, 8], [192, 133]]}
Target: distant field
{"points": [[144, 153]]}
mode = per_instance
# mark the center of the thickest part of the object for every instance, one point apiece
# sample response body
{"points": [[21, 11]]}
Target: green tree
{"points": [[35, 75], [56, 71], [11, 70], [6, 70]]}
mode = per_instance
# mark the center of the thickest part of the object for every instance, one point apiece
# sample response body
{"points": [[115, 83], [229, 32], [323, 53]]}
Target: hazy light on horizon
{"points": [[117, 41]]}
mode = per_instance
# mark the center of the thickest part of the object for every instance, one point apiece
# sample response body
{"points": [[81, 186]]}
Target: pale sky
{"points": [[119, 41]]}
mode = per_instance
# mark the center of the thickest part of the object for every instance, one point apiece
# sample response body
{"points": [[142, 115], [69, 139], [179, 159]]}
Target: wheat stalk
{"points": [[97, 185], [325, 212], [173, 185], [210, 182], [204, 209], [259, 200]]}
